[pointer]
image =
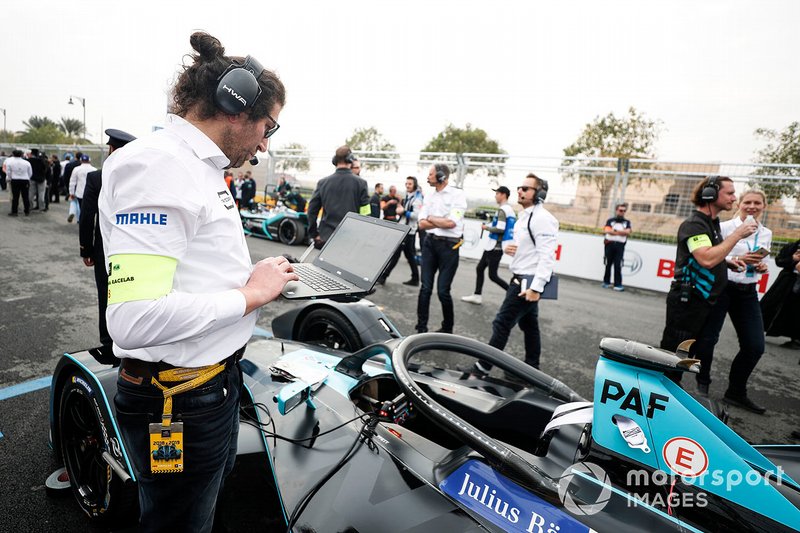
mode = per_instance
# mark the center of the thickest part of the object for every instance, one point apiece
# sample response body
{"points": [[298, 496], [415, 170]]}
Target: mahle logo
{"points": [[589, 502]]}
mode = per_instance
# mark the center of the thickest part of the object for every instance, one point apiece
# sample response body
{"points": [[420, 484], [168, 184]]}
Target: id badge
{"points": [[166, 448]]}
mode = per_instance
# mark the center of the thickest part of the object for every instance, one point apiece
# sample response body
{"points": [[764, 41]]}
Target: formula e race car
{"points": [[278, 223], [360, 429]]}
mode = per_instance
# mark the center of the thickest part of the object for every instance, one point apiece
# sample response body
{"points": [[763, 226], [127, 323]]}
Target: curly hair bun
{"points": [[208, 46]]}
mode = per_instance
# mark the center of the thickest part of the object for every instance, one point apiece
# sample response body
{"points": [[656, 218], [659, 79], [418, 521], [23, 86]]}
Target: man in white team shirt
{"points": [[182, 290]]}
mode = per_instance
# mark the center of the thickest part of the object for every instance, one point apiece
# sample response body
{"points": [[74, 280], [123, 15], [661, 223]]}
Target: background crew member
{"points": [[740, 300], [77, 181], [617, 229], [501, 230], [355, 166], [700, 266], [182, 289], [338, 194], [442, 215], [533, 252], [391, 205], [19, 172], [375, 201], [409, 215], [781, 304], [91, 242]]}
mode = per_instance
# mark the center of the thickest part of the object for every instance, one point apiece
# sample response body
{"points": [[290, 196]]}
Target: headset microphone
{"points": [[254, 161]]}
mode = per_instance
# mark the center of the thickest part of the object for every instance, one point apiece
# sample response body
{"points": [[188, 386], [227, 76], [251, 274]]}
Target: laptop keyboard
{"points": [[316, 279]]}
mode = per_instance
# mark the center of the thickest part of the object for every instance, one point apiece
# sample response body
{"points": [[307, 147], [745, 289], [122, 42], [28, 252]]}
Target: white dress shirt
{"points": [[18, 169], [175, 175], [77, 180], [450, 203], [535, 260], [760, 239]]}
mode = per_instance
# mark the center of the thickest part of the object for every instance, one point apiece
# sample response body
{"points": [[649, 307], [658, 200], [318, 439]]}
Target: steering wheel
{"points": [[499, 456]]}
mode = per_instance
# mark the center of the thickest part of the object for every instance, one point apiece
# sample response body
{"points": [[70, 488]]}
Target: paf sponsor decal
{"points": [[632, 400]]}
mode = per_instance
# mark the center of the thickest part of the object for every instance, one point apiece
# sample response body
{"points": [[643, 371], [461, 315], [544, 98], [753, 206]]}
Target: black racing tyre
{"points": [[328, 327], [291, 231], [100, 493]]}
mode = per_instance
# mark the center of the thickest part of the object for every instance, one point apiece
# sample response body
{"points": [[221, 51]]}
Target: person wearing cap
{"points": [[183, 293], [77, 181], [616, 230], [91, 241], [501, 230]]}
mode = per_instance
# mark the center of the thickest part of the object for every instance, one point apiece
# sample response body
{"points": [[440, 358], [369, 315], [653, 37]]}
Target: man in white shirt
{"points": [[533, 252], [77, 181], [19, 172], [442, 216], [182, 290]]}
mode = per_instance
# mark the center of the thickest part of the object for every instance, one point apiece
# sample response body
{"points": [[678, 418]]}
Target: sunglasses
{"points": [[269, 132]]}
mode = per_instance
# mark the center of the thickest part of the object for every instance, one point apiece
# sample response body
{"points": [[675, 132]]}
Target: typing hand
{"points": [[267, 281]]}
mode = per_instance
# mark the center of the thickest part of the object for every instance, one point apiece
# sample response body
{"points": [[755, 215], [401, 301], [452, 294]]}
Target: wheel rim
{"points": [[82, 447], [325, 333], [287, 231]]}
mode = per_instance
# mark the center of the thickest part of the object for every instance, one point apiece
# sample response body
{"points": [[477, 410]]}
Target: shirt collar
{"points": [[203, 147]]}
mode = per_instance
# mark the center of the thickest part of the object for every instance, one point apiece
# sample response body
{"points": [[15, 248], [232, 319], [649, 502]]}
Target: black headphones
{"points": [[442, 172], [541, 193], [710, 191], [238, 88], [348, 158]]}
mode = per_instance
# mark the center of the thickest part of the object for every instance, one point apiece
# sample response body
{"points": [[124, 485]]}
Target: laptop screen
{"points": [[361, 246]]}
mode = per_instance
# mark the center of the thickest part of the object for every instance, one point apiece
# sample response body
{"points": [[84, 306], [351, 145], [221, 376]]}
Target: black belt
{"points": [[743, 287], [449, 240], [146, 370]]}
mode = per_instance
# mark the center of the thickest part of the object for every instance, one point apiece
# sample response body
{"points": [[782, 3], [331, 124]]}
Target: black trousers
{"points": [[101, 280], [491, 259], [409, 249], [20, 188], [740, 301], [437, 255], [615, 251], [516, 310]]}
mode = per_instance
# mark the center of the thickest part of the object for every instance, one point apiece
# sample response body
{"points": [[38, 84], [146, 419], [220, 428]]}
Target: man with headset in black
{"points": [[338, 194], [183, 294], [700, 266], [442, 216], [533, 252]]}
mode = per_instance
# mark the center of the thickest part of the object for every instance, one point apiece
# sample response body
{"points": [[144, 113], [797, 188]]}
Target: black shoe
{"points": [[13, 214], [702, 388], [381, 281], [444, 330], [745, 403], [796, 435], [45, 209], [793, 344], [412, 282]]}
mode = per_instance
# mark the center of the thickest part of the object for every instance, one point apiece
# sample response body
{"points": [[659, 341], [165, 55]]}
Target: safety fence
{"points": [[582, 191]]}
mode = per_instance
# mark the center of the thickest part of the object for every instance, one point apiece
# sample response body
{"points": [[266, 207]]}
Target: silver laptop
{"points": [[350, 262]]}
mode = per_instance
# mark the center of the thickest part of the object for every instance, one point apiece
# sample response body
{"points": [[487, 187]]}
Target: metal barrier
{"points": [[583, 191]]}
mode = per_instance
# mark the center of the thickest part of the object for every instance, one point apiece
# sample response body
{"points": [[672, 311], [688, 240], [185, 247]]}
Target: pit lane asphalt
{"points": [[48, 306]]}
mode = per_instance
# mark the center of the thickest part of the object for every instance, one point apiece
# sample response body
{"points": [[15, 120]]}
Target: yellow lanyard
{"points": [[191, 378]]}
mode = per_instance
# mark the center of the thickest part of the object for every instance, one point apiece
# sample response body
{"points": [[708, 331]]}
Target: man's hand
{"points": [[736, 264], [266, 282], [752, 258], [746, 229], [530, 295], [510, 249], [88, 261]]}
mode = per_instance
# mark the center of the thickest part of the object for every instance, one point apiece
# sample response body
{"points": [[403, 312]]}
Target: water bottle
{"points": [[751, 269]]}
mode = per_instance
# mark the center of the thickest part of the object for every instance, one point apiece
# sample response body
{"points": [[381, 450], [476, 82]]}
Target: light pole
{"points": [[4, 119], [83, 103]]}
